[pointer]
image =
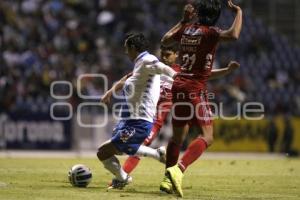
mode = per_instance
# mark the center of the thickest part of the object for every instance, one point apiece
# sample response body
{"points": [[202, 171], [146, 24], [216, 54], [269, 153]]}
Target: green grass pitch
{"points": [[45, 179]]}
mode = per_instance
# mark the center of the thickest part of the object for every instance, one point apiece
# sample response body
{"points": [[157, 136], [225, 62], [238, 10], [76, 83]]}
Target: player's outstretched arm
{"points": [[234, 31], [218, 73], [188, 15], [115, 88], [161, 68]]}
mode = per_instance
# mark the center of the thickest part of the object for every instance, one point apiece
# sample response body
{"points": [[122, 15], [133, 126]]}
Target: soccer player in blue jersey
{"points": [[141, 91]]}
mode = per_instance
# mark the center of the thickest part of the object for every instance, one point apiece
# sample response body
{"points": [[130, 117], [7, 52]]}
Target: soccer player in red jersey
{"points": [[198, 42], [169, 57]]}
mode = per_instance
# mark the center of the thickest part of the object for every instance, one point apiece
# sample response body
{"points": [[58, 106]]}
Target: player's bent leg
{"points": [[121, 179], [107, 150], [158, 154], [106, 154], [196, 148], [131, 163]]}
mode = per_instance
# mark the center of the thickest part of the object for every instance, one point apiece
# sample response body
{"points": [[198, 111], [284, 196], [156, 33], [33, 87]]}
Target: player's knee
{"points": [[101, 153]]}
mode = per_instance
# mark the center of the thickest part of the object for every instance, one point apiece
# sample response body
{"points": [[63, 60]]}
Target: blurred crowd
{"points": [[46, 40]]}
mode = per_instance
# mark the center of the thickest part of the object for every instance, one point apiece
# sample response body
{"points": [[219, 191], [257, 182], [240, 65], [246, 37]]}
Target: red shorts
{"points": [[190, 104], [164, 106]]}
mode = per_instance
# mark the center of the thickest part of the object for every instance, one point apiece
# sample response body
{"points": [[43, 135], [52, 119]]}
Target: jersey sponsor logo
{"points": [[187, 40]]}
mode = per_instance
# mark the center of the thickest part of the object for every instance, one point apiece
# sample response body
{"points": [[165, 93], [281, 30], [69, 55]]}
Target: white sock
{"points": [[112, 164], [147, 152]]}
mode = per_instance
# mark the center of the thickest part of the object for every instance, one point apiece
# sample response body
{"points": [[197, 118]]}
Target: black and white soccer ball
{"points": [[80, 175]]}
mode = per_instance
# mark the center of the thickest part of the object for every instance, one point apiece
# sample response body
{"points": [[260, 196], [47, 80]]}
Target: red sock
{"points": [[130, 164], [193, 152], [173, 151]]}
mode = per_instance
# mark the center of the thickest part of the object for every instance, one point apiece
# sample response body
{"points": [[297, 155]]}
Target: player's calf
{"points": [[208, 136]]}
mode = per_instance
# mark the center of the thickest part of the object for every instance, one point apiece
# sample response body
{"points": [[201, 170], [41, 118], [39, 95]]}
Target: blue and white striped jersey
{"points": [[142, 89]]}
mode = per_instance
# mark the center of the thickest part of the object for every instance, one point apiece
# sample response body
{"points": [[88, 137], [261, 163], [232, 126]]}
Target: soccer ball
{"points": [[80, 175]]}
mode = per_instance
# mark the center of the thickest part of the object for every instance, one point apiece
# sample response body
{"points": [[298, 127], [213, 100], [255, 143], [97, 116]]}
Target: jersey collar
{"points": [[140, 56]]}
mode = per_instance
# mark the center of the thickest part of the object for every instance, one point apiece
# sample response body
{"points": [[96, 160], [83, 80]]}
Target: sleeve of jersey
{"points": [[160, 68]]}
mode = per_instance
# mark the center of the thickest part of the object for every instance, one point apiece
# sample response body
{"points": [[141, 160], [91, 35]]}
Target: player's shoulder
{"points": [[209, 29], [149, 59], [203, 30]]}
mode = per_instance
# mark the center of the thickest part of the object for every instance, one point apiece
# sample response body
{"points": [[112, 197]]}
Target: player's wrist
{"points": [[238, 9]]}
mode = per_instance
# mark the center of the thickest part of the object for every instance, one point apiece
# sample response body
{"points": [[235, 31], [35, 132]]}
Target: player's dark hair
{"points": [[137, 41], [173, 47], [208, 11]]}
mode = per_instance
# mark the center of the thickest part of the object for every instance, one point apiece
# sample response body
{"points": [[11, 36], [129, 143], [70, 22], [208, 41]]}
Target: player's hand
{"points": [[233, 65], [189, 13], [232, 6], [106, 98]]}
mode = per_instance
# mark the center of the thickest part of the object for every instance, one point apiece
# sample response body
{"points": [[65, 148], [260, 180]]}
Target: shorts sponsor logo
{"points": [[126, 133]]}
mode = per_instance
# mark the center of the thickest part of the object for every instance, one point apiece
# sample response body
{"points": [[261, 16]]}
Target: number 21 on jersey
{"points": [[189, 61]]}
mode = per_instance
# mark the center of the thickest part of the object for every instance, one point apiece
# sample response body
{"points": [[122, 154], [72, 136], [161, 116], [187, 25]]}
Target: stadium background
{"points": [[50, 40]]}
